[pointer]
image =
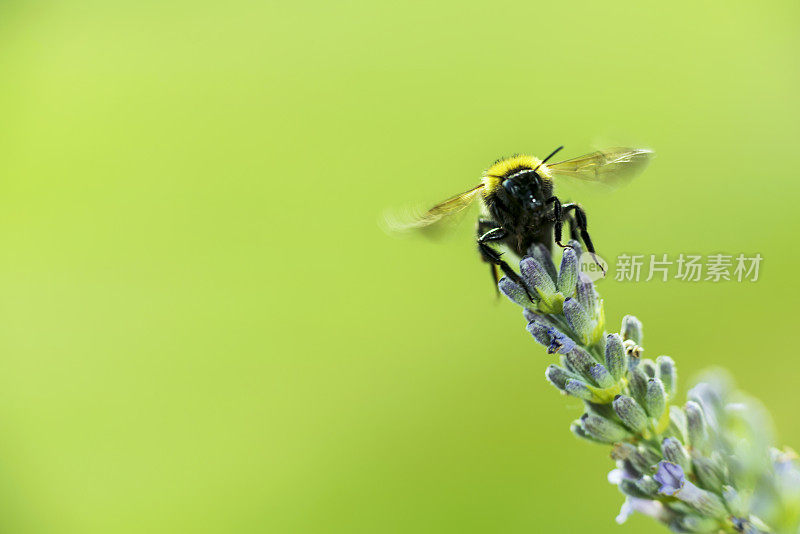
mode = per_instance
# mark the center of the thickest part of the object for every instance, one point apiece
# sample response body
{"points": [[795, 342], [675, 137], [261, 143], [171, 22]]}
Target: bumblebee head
{"points": [[528, 188], [525, 179]]}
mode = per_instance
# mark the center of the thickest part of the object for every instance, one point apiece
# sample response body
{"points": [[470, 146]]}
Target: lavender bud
{"points": [[577, 428], [537, 278], [542, 255], [643, 488], [668, 374], [604, 430], [675, 453], [750, 525], [585, 293], [558, 376], [649, 368], [629, 488], [576, 246], [709, 473], [648, 484], [580, 389], [735, 502], [693, 523], [655, 399], [652, 456], [603, 410], [616, 359], [559, 342], [696, 426], [631, 413], [632, 329], [703, 501], [552, 338], [515, 293], [677, 424], [630, 470], [709, 395], [641, 459], [531, 315], [568, 273], [580, 361], [601, 376], [578, 320], [637, 383], [539, 331]]}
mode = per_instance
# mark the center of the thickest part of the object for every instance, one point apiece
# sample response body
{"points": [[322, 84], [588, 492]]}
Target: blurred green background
{"points": [[203, 328]]}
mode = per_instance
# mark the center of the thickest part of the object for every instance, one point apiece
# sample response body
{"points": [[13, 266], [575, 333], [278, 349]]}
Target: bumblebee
{"points": [[519, 208]]}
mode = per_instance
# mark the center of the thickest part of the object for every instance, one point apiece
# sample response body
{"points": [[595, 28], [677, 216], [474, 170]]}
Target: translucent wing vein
{"points": [[613, 167], [411, 219]]}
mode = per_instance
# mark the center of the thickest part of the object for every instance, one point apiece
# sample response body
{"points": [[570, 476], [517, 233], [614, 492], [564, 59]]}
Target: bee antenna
{"points": [[545, 160]]}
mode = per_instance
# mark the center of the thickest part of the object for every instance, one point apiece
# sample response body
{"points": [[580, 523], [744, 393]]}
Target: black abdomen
{"points": [[520, 206]]}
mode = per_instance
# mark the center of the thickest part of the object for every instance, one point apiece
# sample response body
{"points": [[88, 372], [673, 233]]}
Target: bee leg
{"points": [[483, 226], [493, 257], [573, 229], [558, 218], [495, 278], [581, 224]]}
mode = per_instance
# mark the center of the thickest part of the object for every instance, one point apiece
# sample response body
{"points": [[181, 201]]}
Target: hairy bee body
{"points": [[520, 209], [515, 197]]}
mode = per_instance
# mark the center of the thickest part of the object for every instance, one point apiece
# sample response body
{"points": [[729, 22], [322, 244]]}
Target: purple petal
{"points": [[559, 342], [670, 476], [552, 338]]}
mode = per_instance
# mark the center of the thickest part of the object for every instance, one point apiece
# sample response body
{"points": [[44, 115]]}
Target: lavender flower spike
{"points": [[706, 465]]}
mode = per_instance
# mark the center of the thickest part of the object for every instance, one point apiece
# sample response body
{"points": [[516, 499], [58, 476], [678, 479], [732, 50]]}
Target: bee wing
{"points": [[444, 211], [612, 167]]}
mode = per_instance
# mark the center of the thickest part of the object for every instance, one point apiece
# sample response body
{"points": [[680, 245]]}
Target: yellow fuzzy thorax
{"points": [[495, 174]]}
